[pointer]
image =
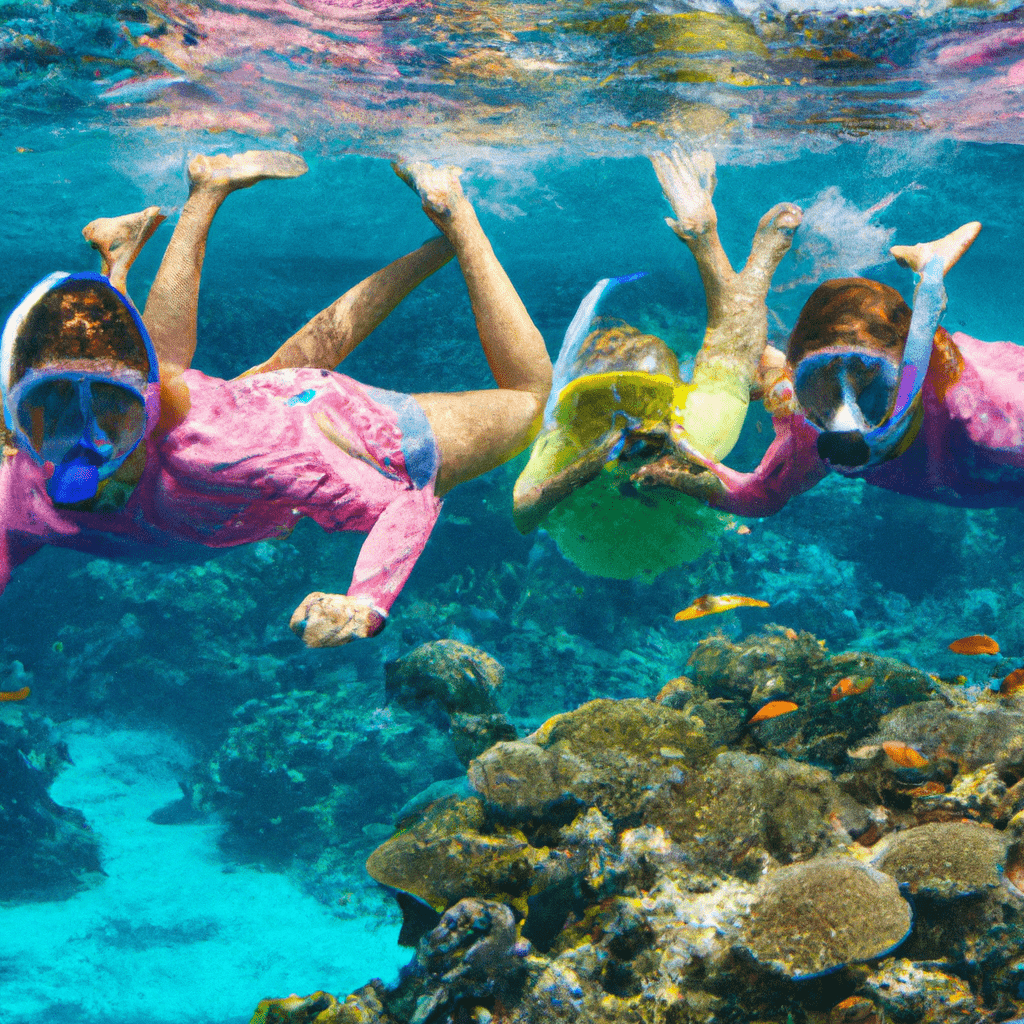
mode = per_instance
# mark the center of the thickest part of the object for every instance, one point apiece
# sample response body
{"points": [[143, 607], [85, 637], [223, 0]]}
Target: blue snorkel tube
{"points": [[850, 432], [53, 409]]}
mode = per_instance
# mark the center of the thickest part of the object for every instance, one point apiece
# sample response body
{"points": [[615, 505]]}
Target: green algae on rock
{"points": [[812, 918], [446, 856], [609, 754]]}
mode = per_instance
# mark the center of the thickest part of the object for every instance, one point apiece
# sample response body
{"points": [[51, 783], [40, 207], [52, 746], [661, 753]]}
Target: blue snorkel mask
{"points": [[76, 369], [861, 403]]}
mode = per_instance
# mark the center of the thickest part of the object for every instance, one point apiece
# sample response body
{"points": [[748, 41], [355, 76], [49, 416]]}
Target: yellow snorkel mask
{"points": [[617, 397]]}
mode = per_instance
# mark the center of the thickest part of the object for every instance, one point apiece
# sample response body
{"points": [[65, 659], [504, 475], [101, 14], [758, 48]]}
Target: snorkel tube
{"points": [[73, 353]]}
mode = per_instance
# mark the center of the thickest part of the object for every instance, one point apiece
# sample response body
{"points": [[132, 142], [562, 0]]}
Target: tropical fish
{"points": [[903, 754], [712, 604], [15, 694], [1012, 683], [850, 686], [773, 709], [743, 530], [976, 644]]}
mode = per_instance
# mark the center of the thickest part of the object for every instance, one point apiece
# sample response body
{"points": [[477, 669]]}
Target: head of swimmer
{"points": [[79, 379], [846, 353]]}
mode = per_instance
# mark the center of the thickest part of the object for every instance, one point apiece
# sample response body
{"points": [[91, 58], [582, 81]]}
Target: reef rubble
{"points": [[666, 861]]}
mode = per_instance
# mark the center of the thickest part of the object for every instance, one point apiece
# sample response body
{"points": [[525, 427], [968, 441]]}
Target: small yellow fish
{"points": [[15, 694], [976, 644], [712, 604], [850, 686], [773, 709], [903, 754], [743, 530]]}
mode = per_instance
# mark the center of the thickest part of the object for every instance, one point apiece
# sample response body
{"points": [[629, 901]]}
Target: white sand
{"points": [[175, 932]]}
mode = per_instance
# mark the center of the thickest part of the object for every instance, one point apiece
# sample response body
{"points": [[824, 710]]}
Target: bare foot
{"points": [[228, 172], [688, 181], [119, 240], [948, 249], [330, 620], [439, 188], [772, 240]]}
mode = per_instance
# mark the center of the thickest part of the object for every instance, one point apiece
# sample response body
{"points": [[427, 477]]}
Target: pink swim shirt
{"points": [[252, 457]]}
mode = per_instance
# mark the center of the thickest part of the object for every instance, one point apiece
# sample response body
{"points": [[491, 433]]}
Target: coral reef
{"points": [[666, 861], [46, 851]]}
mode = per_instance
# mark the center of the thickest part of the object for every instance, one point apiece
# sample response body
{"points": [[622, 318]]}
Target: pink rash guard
{"points": [[969, 451], [252, 457]]}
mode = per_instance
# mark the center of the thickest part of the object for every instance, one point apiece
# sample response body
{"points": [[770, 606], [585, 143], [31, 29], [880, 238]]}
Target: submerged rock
{"points": [[912, 993], [463, 682], [746, 811], [446, 856], [46, 851], [813, 918], [782, 664]]}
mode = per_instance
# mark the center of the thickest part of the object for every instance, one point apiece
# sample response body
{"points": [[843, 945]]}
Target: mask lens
{"points": [[119, 413], [819, 386], [51, 416]]}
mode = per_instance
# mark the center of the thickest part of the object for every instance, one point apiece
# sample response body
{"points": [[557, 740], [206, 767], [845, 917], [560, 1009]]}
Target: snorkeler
{"points": [[116, 447], [874, 391], [619, 398]]}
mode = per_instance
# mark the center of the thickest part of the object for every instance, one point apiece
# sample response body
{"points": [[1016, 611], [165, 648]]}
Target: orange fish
{"points": [[850, 686], [743, 530], [904, 755], [712, 604], [15, 694], [1012, 683], [976, 644], [773, 709]]}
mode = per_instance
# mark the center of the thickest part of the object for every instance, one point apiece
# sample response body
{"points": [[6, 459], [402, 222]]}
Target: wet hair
{"points": [[851, 311]]}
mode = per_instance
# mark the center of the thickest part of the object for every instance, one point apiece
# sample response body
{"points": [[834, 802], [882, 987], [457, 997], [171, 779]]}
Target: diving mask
{"points": [[76, 365], [861, 402]]}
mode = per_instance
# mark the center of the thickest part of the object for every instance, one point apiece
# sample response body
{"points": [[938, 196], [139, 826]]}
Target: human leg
{"points": [[334, 332], [726, 368], [170, 313], [119, 240], [478, 430]]}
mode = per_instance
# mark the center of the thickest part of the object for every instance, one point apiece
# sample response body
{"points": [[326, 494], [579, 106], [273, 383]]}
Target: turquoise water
{"points": [[142, 669]]}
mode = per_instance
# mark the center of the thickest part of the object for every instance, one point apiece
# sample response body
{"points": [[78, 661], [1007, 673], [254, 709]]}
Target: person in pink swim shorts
{"points": [[872, 390], [113, 445]]}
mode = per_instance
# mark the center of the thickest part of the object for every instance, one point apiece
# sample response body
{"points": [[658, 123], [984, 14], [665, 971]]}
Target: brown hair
{"points": [[851, 311]]}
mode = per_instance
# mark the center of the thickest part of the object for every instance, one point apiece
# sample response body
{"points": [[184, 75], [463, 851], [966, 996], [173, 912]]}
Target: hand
{"points": [[697, 481], [330, 620], [688, 181]]}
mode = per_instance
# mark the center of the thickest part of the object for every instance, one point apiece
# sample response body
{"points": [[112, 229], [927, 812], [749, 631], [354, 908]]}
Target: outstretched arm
{"points": [[385, 560], [789, 467]]}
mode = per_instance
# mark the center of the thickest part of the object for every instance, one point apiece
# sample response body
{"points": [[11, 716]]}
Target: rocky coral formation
{"points": [[302, 775], [857, 915], [668, 861], [46, 851], [463, 682]]}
